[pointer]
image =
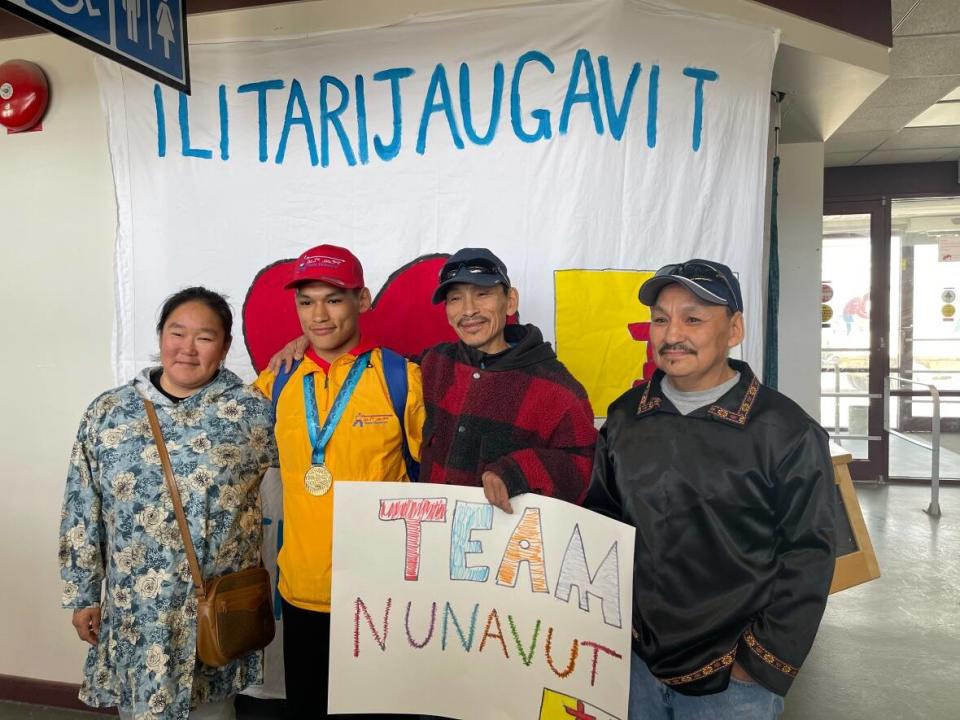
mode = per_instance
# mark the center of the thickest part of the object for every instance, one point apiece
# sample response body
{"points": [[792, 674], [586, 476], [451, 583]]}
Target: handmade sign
{"points": [[445, 605], [567, 135]]}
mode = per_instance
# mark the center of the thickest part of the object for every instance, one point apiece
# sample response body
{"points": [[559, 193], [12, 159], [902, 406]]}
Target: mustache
{"points": [[676, 347]]}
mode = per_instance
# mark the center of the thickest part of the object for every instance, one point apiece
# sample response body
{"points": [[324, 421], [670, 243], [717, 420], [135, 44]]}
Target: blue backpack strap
{"points": [[395, 372], [280, 381]]}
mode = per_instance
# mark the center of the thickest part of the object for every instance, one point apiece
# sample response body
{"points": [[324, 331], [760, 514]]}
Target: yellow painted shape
{"points": [[593, 310], [554, 705]]}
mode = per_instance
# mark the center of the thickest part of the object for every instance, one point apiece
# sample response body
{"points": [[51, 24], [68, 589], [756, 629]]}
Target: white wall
{"points": [[57, 227], [57, 220], [800, 215]]}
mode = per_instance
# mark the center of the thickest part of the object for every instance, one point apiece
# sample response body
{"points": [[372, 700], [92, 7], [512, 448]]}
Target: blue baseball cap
{"points": [[710, 281], [476, 266]]}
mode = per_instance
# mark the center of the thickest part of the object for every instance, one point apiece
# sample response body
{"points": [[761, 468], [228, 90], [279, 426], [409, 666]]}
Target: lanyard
{"points": [[320, 436]]}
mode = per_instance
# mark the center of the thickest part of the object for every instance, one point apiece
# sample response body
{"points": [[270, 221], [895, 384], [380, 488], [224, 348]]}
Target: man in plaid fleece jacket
{"points": [[502, 411]]}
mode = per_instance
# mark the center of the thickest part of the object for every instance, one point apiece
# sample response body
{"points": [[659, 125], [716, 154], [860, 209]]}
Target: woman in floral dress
{"points": [[122, 559]]}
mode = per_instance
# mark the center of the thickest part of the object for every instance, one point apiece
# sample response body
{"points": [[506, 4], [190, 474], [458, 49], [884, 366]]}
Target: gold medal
{"points": [[318, 480]]}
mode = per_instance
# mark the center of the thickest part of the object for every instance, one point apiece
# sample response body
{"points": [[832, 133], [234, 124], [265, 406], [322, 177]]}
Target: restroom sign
{"points": [[149, 36]]}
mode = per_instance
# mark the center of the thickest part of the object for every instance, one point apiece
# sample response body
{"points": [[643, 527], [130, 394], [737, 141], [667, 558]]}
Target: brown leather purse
{"points": [[234, 612]]}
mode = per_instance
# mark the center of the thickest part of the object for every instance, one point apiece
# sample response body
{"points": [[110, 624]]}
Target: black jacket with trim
{"points": [[734, 510]]}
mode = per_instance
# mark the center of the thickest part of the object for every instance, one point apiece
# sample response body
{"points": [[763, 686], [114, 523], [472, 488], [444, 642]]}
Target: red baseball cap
{"points": [[330, 264]]}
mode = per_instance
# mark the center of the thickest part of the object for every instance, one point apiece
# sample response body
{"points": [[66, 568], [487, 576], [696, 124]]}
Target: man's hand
{"points": [[738, 673], [293, 350], [86, 621], [496, 491]]}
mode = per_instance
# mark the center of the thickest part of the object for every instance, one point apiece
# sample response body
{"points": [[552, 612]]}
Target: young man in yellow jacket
{"points": [[339, 416]]}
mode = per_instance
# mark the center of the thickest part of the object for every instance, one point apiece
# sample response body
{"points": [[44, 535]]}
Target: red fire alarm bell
{"points": [[23, 95]]}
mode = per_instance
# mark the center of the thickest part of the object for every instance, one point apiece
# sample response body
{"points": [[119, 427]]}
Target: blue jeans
{"points": [[650, 699]]}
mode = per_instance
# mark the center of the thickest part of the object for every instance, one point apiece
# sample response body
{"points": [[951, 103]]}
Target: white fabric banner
{"points": [[563, 135], [271, 501], [449, 606]]}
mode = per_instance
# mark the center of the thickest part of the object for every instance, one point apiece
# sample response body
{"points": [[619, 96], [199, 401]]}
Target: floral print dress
{"points": [[118, 526]]}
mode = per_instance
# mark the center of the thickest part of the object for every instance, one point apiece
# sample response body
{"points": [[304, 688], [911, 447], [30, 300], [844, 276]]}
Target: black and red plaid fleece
{"points": [[519, 414]]}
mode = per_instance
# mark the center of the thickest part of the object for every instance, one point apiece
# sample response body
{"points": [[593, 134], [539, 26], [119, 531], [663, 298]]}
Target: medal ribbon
{"points": [[320, 436]]}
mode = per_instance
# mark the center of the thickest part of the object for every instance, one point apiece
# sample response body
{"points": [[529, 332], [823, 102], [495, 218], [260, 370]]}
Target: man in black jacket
{"points": [[730, 486]]}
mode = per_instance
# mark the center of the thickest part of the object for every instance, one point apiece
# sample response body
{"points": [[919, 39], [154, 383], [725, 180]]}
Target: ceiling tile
{"points": [[899, 8], [924, 70], [918, 92], [924, 137], [925, 56], [850, 142], [841, 159], [896, 157], [931, 16], [938, 114], [866, 119]]}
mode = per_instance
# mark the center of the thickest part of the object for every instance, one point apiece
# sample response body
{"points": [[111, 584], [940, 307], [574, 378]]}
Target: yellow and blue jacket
{"points": [[367, 445]]}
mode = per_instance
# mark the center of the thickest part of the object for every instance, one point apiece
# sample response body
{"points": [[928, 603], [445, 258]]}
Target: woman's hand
{"points": [[86, 621], [293, 350]]}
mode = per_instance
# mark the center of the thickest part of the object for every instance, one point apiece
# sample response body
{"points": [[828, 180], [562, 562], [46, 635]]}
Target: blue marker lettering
{"points": [[261, 89], [224, 123], [701, 75], [467, 517], [185, 134], [495, 104], [332, 117], [617, 117], [438, 81], [390, 150], [582, 63], [161, 121], [541, 115], [303, 119], [653, 95], [363, 142]]}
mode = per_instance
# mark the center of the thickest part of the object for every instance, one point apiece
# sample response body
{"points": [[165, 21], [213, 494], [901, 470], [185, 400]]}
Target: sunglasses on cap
{"points": [[472, 268], [697, 271]]}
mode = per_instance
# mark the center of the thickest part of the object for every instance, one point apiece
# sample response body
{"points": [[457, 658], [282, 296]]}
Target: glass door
{"points": [[854, 347], [925, 337]]}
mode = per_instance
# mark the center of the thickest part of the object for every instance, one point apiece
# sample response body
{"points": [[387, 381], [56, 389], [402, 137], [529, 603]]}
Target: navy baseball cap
{"points": [[476, 266], [708, 280]]}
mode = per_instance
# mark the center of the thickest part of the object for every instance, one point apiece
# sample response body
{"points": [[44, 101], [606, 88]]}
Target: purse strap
{"points": [[175, 497]]}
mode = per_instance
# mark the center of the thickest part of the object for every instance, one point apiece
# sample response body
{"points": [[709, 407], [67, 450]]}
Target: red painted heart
{"points": [[402, 317]]}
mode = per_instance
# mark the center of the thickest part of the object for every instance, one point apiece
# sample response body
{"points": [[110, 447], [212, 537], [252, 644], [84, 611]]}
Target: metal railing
{"points": [[933, 510], [837, 394]]}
